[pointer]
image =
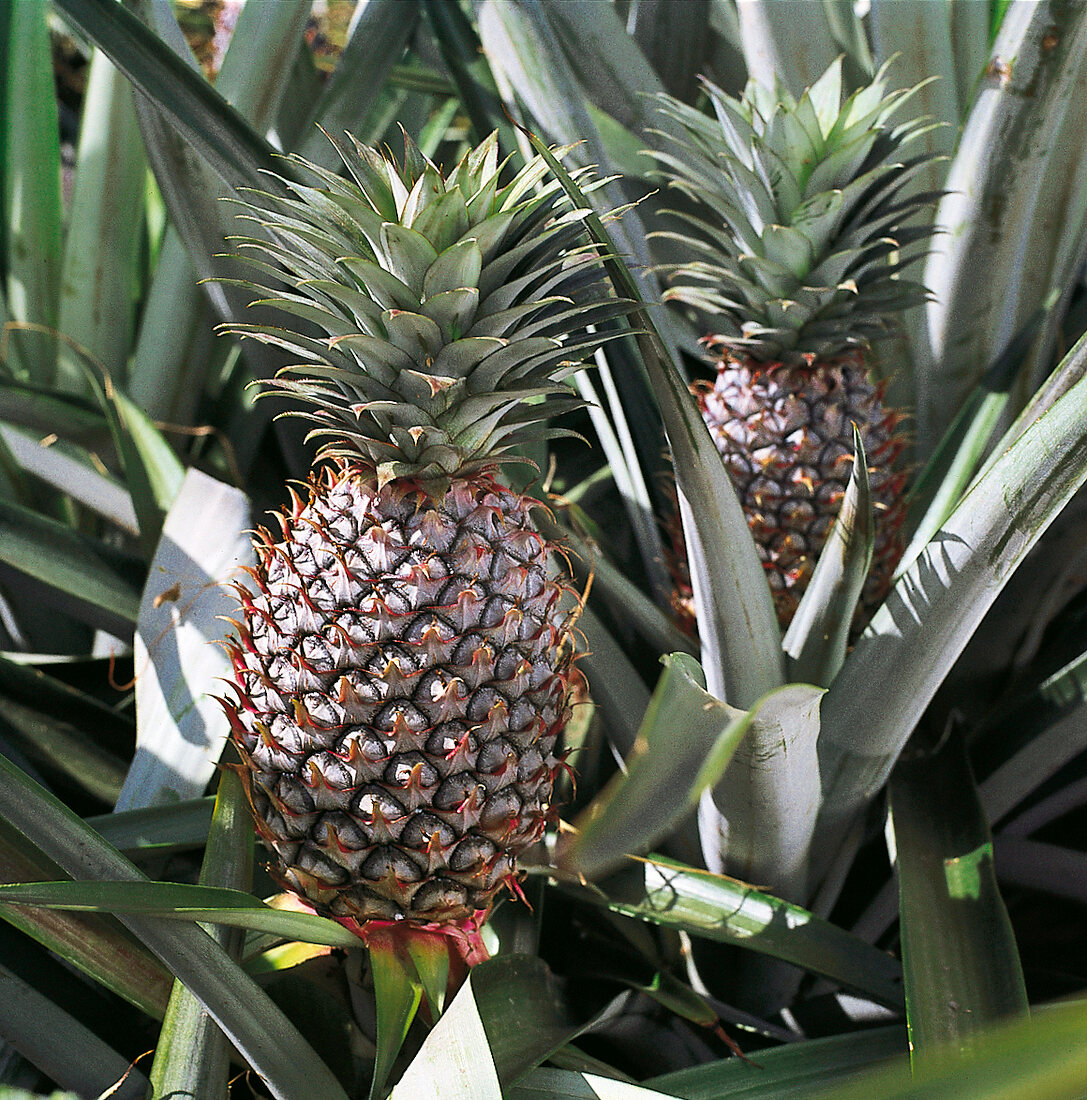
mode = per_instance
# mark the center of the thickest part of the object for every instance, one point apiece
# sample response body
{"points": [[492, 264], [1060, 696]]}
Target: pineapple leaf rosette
{"points": [[404, 660], [795, 244]]}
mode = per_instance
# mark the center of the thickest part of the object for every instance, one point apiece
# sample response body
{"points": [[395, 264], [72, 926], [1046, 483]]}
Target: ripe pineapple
{"points": [[404, 664], [795, 263]]}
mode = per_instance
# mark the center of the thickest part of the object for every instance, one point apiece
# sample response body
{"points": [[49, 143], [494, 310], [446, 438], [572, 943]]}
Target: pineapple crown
{"points": [[797, 234], [449, 308]]}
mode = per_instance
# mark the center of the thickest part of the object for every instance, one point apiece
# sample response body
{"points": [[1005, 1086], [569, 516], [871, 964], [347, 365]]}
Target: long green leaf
{"points": [[787, 42], [609, 64], [182, 824], [685, 741], [174, 340], [926, 621], [64, 751], [953, 462], [995, 211], [180, 902], [615, 683], [1048, 868], [714, 907], [459, 44], [44, 411], [72, 470], [790, 1072], [818, 636], [398, 992], [32, 213], [73, 571], [959, 957], [1038, 1059], [520, 987], [617, 443], [191, 182], [561, 1084], [96, 944], [152, 470], [101, 250], [181, 728], [173, 356], [758, 821], [379, 32], [740, 641], [31, 1023], [258, 1030], [192, 1057], [1051, 748], [200, 114]]}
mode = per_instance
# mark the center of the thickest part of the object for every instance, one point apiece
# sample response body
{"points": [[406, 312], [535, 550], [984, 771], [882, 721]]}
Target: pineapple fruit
{"points": [[795, 246], [403, 656]]}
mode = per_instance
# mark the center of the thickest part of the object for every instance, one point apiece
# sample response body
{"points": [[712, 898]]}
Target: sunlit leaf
{"points": [[664, 892], [181, 728], [685, 741]]}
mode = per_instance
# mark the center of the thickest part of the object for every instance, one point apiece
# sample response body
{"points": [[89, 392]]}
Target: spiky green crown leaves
{"points": [[800, 204], [451, 307]]}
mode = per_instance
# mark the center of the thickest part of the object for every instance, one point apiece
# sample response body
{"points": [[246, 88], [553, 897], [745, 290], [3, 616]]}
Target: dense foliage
{"points": [[907, 805]]}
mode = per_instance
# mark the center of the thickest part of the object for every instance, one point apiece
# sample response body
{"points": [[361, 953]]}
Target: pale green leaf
{"points": [[684, 743], [999, 213], [455, 1062], [181, 727], [105, 222], [935, 607], [818, 635]]}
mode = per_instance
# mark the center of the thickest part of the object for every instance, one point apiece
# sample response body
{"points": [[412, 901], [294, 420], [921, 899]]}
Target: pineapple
{"points": [[794, 247], [403, 658]]}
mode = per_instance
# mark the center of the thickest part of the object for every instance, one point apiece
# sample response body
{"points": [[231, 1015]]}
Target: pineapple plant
{"points": [[403, 659], [828, 754], [793, 257]]}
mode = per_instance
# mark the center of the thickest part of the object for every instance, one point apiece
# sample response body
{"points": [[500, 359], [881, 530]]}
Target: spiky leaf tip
{"points": [[438, 312], [801, 215]]}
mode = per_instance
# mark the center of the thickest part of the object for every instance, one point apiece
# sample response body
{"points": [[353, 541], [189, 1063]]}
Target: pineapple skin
{"points": [[800, 228], [403, 668], [785, 434]]}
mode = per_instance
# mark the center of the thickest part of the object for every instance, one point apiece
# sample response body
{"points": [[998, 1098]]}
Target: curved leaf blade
{"points": [[99, 947], [192, 1057], [684, 743], [928, 618], [995, 211], [818, 636], [180, 729], [259, 1031], [236, 152], [72, 571], [177, 901], [959, 956], [661, 891]]}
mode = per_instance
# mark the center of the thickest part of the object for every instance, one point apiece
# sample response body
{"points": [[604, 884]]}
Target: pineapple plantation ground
{"points": [[795, 307]]}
